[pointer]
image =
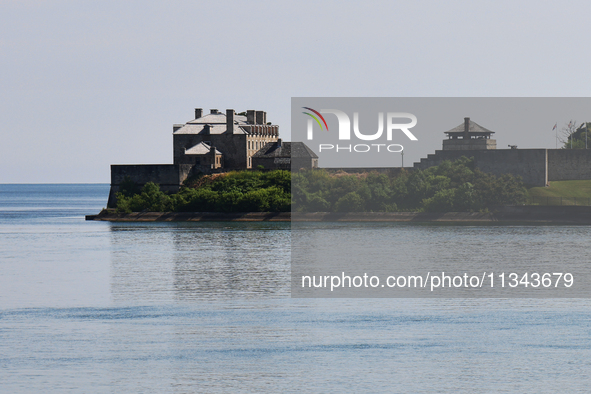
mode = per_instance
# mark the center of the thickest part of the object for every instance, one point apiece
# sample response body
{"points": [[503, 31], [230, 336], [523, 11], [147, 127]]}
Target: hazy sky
{"points": [[85, 84]]}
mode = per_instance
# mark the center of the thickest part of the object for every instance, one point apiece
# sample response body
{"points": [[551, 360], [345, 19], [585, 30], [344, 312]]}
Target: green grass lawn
{"points": [[568, 190], [563, 189]]}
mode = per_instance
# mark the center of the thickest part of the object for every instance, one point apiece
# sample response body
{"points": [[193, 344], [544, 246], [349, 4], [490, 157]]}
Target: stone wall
{"points": [[469, 144], [284, 163], [271, 163], [168, 176], [390, 171], [535, 166], [530, 164], [569, 164]]}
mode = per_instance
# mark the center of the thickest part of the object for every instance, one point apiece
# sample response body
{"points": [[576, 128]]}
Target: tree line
{"points": [[449, 187]]}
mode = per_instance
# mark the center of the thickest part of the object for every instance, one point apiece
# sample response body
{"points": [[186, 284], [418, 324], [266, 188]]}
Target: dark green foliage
{"points": [[451, 186], [150, 199], [350, 202], [580, 136], [128, 187], [240, 191]]}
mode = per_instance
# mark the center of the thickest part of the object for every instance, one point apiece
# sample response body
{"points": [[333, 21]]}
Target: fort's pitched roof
{"points": [[218, 118], [200, 149], [212, 124], [208, 128], [473, 127], [287, 149]]}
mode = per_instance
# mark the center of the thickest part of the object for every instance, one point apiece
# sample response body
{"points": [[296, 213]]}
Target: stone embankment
{"points": [[111, 216], [507, 214]]}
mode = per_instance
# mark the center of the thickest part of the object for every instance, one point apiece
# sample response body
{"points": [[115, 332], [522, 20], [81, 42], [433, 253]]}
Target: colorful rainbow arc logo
{"points": [[315, 118]]}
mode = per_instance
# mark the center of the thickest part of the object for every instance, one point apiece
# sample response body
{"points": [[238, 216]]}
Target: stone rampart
{"points": [[529, 164], [390, 171], [168, 176], [569, 164]]}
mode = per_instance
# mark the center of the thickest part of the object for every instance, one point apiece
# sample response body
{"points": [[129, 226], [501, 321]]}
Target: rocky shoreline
{"points": [[521, 214]]}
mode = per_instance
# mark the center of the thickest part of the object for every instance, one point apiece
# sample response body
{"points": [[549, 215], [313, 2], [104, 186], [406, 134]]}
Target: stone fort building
{"points": [[217, 142]]}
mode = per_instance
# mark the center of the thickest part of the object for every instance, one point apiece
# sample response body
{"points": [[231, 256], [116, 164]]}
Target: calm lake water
{"points": [[206, 307]]}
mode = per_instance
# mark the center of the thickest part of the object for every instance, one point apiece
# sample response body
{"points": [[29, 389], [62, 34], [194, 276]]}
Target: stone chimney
{"points": [[212, 157], [175, 127], [230, 121], [466, 128], [198, 113], [250, 116], [214, 111], [261, 117]]}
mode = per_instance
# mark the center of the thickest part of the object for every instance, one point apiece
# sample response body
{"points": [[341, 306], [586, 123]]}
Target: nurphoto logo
{"points": [[344, 130]]}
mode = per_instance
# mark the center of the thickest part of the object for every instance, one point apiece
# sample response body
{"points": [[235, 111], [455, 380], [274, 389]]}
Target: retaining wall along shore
{"points": [[518, 213]]}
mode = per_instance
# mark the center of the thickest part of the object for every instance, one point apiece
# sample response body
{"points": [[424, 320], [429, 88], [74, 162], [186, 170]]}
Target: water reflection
{"points": [[168, 262], [187, 261]]}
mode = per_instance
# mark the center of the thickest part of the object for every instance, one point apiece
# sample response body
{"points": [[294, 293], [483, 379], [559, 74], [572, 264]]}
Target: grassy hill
{"points": [[563, 189], [563, 192]]}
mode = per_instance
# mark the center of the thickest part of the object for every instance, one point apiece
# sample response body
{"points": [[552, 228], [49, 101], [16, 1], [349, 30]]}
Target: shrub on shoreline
{"points": [[236, 191]]}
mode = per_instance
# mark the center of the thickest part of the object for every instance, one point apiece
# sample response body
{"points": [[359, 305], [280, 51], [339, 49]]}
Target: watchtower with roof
{"points": [[469, 136]]}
